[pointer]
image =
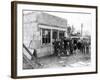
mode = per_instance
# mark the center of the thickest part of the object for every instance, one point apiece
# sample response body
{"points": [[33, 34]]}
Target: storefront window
{"points": [[45, 36], [55, 34], [61, 34]]}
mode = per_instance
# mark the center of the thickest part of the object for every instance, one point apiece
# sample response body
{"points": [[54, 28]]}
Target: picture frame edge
{"points": [[14, 38]]}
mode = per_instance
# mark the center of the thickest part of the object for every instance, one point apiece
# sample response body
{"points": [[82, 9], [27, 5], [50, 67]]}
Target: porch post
{"points": [[51, 40], [41, 35], [58, 34]]}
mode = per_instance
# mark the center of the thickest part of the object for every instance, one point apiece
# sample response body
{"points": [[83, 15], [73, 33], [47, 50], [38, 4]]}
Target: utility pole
{"points": [[81, 30], [72, 29]]}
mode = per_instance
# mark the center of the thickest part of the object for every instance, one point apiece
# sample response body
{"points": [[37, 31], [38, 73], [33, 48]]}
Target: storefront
{"points": [[48, 29]]}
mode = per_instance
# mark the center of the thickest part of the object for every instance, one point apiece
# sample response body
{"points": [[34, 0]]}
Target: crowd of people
{"points": [[68, 46]]}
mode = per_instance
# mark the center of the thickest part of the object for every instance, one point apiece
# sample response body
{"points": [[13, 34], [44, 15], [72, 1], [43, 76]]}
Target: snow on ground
{"points": [[75, 60]]}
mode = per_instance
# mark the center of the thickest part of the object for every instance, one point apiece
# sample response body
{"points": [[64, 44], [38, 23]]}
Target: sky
{"points": [[75, 19]]}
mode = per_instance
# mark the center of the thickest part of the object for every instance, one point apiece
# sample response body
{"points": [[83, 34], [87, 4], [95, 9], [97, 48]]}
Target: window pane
{"points": [[45, 36], [54, 34], [61, 34]]}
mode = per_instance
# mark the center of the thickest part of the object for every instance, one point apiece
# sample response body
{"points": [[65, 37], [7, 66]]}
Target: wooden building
{"points": [[40, 29]]}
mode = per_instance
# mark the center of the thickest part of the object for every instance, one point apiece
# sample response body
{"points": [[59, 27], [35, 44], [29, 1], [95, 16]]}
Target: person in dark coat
{"points": [[34, 55], [59, 47], [67, 46], [55, 47], [71, 47], [79, 45], [75, 44]]}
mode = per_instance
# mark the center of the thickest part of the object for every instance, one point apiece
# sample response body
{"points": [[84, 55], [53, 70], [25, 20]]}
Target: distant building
{"points": [[41, 29]]}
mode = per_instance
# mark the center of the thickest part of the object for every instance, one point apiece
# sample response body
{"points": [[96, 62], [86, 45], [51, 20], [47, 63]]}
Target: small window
{"points": [[55, 34], [45, 36], [61, 34]]}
